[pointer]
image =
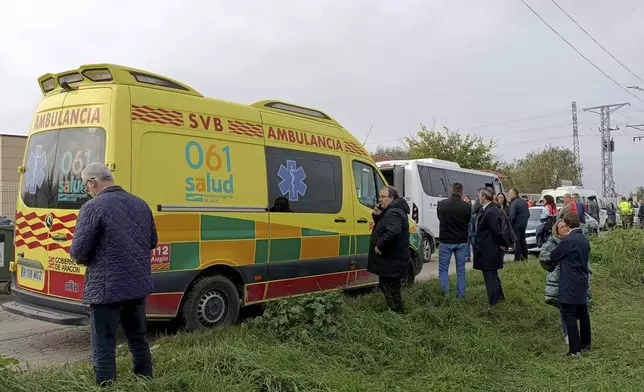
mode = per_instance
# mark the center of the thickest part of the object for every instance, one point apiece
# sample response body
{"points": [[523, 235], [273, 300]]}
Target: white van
{"points": [[583, 193], [423, 182]]}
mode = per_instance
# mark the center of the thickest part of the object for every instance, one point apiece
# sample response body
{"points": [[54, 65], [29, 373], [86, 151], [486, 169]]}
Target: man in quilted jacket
{"points": [[114, 234]]}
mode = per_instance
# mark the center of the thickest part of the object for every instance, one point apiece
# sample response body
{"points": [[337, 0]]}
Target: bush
{"points": [[622, 251], [302, 316]]}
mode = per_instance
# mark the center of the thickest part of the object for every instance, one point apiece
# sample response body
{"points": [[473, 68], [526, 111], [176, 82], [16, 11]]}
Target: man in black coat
{"points": [[488, 243], [572, 255], [389, 249], [519, 216], [454, 216]]}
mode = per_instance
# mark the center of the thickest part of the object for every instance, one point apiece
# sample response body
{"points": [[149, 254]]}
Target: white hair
{"points": [[96, 170]]}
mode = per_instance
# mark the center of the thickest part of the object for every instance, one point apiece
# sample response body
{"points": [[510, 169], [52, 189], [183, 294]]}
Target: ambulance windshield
{"points": [[53, 164]]}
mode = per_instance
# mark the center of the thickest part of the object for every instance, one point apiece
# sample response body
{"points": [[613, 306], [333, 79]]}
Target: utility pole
{"points": [[608, 145], [639, 127], [575, 142]]}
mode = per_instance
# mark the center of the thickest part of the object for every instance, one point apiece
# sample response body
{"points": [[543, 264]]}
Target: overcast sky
{"points": [[391, 64]]}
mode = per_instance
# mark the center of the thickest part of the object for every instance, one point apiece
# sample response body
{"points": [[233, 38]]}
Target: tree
{"points": [[469, 151], [389, 153], [542, 169], [638, 194]]}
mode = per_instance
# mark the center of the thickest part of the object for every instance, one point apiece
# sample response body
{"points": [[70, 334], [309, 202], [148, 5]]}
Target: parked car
{"points": [[590, 228]]}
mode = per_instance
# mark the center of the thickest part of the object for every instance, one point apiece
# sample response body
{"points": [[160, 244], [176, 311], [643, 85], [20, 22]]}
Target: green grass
{"points": [[442, 344]]}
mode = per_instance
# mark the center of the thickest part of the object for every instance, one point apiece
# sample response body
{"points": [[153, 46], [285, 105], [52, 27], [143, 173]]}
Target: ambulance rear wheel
{"points": [[213, 301]]}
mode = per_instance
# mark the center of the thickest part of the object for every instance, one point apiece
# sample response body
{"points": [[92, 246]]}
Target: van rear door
{"points": [[51, 194]]}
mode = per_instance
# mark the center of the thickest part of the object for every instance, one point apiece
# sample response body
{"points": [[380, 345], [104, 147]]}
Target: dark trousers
{"points": [[578, 335], [520, 247], [392, 290], [493, 286], [104, 320]]}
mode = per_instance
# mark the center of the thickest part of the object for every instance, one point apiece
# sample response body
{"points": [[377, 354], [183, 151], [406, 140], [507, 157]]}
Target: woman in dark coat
{"points": [[503, 203], [488, 252], [389, 249]]}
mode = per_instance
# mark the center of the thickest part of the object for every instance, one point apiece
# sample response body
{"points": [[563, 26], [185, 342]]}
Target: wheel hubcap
{"points": [[211, 308], [427, 250]]}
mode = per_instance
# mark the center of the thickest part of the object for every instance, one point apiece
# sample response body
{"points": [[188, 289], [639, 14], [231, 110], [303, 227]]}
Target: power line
{"points": [[542, 140], [595, 41], [517, 120], [581, 54], [498, 134]]}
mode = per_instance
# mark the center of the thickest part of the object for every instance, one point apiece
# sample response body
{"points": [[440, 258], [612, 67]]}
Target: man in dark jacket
{"points": [[488, 244], [389, 249], [454, 216], [593, 208], [114, 234], [581, 210], [519, 216], [572, 256]]}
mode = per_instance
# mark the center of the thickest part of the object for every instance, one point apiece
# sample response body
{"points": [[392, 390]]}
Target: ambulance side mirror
{"points": [[21, 169]]}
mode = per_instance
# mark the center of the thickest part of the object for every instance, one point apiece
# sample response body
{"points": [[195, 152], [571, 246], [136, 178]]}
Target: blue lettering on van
{"points": [[35, 173], [214, 181], [292, 183]]}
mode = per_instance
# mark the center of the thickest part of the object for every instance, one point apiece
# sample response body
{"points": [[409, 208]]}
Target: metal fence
{"points": [[8, 198]]}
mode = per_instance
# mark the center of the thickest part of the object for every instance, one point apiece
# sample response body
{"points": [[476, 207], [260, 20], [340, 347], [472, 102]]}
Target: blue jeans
{"points": [[445, 252], [564, 329], [104, 320], [470, 247]]}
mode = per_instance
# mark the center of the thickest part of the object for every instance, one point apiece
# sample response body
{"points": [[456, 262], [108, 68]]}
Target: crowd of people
{"points": [[482, 231]]}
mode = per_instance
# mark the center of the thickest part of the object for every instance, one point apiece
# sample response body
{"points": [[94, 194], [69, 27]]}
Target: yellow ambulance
{"points": [[251, 202]]}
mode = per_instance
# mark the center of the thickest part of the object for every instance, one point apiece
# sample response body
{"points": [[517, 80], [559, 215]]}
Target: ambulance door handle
{"points": [[340, 220], [59, 237], [363, 220]]}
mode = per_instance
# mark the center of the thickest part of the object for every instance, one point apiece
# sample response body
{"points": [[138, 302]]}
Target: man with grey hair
{"points": [[114, 234]]}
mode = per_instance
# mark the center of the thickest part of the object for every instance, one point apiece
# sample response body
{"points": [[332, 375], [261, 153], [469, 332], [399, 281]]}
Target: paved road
{"points": [[36, 343]]}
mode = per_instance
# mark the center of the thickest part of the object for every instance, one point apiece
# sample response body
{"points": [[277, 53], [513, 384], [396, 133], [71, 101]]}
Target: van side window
{"points": [[303, 182], [433, 181], [454, 177], [368, 184], [473, 182]]}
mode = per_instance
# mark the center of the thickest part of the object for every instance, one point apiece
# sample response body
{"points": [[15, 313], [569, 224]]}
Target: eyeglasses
{"points": [[87, 182]]}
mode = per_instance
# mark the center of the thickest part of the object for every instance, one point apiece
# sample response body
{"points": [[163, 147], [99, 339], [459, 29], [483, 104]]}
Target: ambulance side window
{"points": [[303, 182], [367, 184]]}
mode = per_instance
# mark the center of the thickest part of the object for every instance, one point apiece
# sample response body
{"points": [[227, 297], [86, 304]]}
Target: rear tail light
{"points": [[414, 212]]}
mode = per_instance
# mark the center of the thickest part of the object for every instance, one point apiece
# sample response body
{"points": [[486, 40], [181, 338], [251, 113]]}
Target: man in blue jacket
{"points": [[519, 216], [572, 255], [114, 234], [581, 209]]}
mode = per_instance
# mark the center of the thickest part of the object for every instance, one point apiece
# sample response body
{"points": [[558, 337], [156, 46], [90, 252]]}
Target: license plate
{"points": [[32, 274]]}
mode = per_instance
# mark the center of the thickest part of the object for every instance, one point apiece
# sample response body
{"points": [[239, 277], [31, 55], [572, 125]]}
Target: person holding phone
{"points": [[389, 246]]}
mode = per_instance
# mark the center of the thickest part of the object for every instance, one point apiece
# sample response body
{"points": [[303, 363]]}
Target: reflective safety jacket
{"points": [[626, 208]]}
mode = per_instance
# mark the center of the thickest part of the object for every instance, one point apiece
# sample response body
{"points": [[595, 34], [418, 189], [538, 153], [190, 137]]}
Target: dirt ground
{"points": [[36, 343]]}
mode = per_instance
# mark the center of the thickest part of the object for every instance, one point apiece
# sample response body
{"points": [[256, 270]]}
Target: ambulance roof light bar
{"points": [[297, 109], [98, 74]]}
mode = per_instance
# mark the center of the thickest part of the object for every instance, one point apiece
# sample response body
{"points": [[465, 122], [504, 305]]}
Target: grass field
{"points": [[442, 344]]}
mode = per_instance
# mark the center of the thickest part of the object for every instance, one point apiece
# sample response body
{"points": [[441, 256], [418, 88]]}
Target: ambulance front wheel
{"points": [[213, 301]]}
